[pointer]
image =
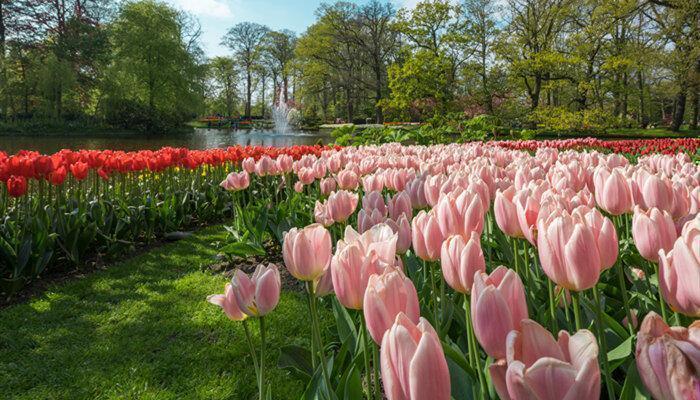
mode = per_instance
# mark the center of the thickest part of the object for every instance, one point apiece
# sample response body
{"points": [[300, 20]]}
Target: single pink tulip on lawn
{"points": [[258, 294], [668, 359], [227, 302], [412, 362], [679, 271], [386, 296], [307, 252], [460, 260], [498, 305]]}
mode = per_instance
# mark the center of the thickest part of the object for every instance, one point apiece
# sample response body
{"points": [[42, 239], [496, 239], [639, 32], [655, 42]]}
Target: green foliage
{"points": [[561, 120], [135, 116]]}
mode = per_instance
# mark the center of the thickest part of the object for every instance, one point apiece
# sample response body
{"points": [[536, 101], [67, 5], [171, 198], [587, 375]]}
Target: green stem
{"points": [[365, 354], [474, 350], [433, 296], [317, 335], [515, 256], [574, 304], [252, 349], [262, 358], [603, 343], [662, 303], [552, 311], [314, 348], [625, 300], [375, 367]]}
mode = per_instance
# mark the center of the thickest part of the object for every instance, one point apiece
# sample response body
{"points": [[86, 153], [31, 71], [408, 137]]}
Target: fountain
{"points": [[281, 112]]}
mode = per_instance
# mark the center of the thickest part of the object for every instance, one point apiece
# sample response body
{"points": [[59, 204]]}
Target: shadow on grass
{"points": [[142, 329]]}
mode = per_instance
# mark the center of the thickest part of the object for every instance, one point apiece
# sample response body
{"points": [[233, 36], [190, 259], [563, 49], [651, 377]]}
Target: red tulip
{"points": [[79, 170], [58, 176], [16, 186]]}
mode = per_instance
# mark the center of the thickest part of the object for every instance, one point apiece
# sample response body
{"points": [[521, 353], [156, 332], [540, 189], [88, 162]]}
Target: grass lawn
{"points": [[142, 330]]}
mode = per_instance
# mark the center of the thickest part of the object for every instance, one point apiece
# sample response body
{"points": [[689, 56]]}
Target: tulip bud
{"points": [[386, 296], [460, 260]]}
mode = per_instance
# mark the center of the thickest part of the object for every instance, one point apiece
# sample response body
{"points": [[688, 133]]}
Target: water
{"points": [[199, 139], [281, 113]]}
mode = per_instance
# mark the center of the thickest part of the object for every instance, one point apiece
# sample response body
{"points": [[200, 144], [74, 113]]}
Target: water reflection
{"points": [[199, 139]]}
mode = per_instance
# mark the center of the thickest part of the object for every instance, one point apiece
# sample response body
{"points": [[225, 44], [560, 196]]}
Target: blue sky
{"points": [[216, 16]]}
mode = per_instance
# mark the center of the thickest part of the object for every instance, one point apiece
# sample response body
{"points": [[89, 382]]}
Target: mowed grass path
{"points": [[142, 330]]}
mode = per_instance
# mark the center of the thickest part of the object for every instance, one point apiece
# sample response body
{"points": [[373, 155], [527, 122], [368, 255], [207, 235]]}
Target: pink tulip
{"points": [[506, 213], [258, 294], [432, 189], [298, 186], [652, 230], [568, 251], [403, 229], [327, 186], [681, 201], [284, 163], [604, 233], [400, 204], [460, 260], [347, 179], [367, 219], [528, 209], [374, 201], [386, 296], [612, 192], [248, 165], [372, 183], [266, 166], [541, 368], [498, 305], [307, 252], [236, 181], [460, 214], [227, 301], [322, 215], [341, 205], [416, 192], [668, 359], [679, 272], [306, 176], [412, 362], [658, 192], [358, 257], [319, 168], [324, 284], [426, 236]]}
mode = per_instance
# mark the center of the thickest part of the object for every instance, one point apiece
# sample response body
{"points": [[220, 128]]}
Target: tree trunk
{"points": [[249, 95], [285, 86], [350, 108], [379, 116], [643, 116], [679, 108], [696, 109], [262, 113], [623, 107]]}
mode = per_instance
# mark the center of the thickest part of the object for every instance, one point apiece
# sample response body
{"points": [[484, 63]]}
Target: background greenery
{"points": [[556, 65]]}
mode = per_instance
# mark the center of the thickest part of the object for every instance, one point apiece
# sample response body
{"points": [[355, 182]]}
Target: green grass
{"points": [[654, 132], [142, 330]]}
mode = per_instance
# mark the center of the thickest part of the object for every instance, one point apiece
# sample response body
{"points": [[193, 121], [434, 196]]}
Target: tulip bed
{"points": [[514, 270]]}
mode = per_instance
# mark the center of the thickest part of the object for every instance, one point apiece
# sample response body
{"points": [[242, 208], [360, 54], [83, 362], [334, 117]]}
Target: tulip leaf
{"points": [[460, 381], [243, 249], [297, 359], [633, 388], [346, 328], [353, 385], [621, 351]]}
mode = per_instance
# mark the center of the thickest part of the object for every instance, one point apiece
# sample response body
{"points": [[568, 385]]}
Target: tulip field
{"points": [[508, 269]]}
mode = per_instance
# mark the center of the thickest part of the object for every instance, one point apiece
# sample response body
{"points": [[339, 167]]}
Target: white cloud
{"points": [[205, 8]]}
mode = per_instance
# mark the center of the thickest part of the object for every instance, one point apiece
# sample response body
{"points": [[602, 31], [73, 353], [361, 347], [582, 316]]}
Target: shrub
{"points": [[136, 116]]}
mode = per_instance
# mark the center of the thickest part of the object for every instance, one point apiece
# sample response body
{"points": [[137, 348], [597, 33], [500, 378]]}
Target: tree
{"points": [[225, 76], [155, 61], [482, 31], [280, 47], [246, 40]]}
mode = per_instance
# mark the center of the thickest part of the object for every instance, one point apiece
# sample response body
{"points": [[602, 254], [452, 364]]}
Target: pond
{"points": [[198, 139]]}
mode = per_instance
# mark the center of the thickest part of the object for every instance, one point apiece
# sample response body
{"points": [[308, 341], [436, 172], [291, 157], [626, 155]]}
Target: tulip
{"points": [[16, 186], [367, 219], [386, 296], [341, 205], [307, 252], [412, 362], [658, 192], [604, 233], [667, 359], [347, 179], [306, 176], [227, 302], [460, 214], [322, 214], [426, 236], [679, 272], [373, 183], [298, 186], [327, 186], [541, 368], [285, 163], [236, 181], [403, 230], [498, 305], [612, 192], [460, 260], [258, 294], [652, 231], [248, 165], [79, 170], [416, 192], [400, 204], [58, 176], [506, 213], [528, 209], [374, 201], [568, 251]]}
